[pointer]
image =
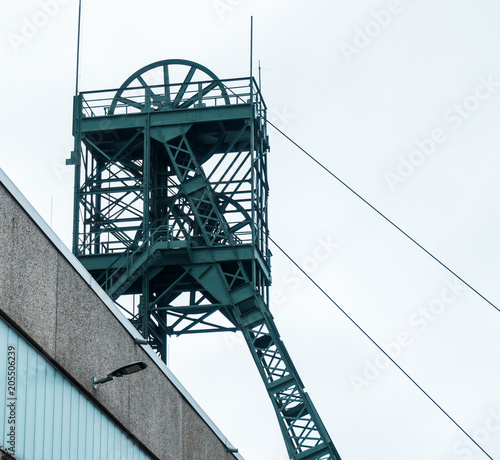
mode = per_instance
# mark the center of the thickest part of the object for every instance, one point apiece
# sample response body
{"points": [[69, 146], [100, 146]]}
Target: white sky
{"points": [[359, 112]]}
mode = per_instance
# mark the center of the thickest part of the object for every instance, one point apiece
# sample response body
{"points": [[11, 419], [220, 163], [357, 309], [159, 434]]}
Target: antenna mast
{"points": [[78, 45]]}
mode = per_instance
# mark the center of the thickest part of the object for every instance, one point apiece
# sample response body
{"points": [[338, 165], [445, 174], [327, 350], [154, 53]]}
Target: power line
{"points": [[384, 217], [376, 344]]}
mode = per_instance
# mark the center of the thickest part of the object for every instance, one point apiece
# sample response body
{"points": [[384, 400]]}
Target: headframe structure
{"points": [[171, 218]]}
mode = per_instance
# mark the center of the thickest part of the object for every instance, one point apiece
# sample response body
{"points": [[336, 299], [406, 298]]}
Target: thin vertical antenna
{"points": [[251, 47], [51, 209], [78, 45], [260, 79]]}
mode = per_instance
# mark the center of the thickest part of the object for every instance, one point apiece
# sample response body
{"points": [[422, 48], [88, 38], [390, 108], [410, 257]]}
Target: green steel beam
{"points": [[158, 119], [171, 193]]}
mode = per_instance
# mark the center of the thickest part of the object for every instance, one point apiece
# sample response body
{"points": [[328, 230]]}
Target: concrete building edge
{"points": [[75, 263], [19, 330]]}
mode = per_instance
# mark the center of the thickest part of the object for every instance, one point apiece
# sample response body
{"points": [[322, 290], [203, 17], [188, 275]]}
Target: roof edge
{"points": [[82, 271]]}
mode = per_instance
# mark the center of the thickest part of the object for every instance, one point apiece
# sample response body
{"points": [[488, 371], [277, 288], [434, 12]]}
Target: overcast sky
{"points": [[401, 99]]}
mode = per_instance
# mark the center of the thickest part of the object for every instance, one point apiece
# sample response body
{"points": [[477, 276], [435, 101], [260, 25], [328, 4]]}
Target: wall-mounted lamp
{"points": [[141, 341], [131, 368]]}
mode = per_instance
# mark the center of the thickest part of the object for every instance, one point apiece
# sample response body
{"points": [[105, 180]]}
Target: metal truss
{"points": [[171, 208]]}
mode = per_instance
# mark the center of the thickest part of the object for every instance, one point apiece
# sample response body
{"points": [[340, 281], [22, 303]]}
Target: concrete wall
{"points": [[52, 301]]}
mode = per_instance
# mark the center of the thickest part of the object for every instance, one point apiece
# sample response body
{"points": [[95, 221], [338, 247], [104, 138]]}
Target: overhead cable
{"points": [[385, 217], [376, 344]]}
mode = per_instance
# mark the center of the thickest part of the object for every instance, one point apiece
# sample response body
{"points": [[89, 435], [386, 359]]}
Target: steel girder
{"points": [[171, 206], [302, 428]]}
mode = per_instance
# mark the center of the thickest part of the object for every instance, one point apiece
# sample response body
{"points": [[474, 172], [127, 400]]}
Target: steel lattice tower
{"points": [[170, 207]]}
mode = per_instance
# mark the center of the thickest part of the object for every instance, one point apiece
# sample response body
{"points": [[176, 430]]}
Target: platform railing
{"points": [[175, 96], [90, 244]]}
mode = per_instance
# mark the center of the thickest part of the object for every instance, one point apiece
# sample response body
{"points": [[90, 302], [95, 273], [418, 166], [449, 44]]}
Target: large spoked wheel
{"points": [[168, 85]]}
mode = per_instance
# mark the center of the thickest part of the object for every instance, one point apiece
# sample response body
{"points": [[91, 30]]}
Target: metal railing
{"points": [[176, 96], [126, 260]]}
